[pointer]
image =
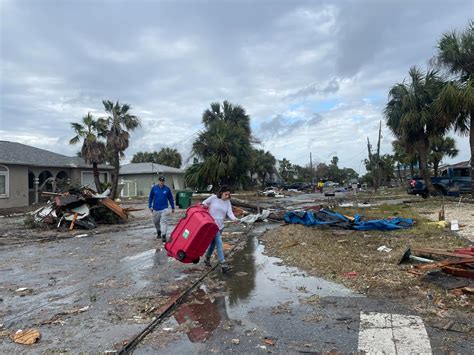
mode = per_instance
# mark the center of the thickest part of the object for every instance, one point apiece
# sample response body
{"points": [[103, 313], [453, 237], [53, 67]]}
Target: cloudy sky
{"points": [[312, 75]]}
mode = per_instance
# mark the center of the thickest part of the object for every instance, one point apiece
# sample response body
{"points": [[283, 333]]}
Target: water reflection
{"points": [[242, 282], [204, 313]]}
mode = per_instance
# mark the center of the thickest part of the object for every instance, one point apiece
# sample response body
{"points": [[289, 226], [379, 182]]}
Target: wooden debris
{"points": [[74, 219], [444, 263], [114, 207], [26, 337]]}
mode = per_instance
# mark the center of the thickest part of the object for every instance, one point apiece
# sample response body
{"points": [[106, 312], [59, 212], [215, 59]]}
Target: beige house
{"points": [[26, 171], [138, 178]]}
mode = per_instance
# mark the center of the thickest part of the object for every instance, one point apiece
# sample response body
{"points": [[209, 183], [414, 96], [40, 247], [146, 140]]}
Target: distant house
{"points": [[25, 171], [138, 178]]}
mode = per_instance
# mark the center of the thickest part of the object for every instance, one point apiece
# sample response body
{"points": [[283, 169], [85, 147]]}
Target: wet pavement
{"points": [[95, 293], [265, 306], [88, 293]]}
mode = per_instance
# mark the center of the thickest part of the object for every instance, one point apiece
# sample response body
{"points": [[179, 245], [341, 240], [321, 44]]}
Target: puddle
{"points": [[257, 282]]}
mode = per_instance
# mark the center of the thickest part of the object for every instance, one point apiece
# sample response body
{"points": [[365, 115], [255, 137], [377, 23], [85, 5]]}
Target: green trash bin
{"points": [[184, 198]]}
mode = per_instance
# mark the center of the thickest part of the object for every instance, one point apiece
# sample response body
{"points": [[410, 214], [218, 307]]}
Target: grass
{"points": [[351, 257]]}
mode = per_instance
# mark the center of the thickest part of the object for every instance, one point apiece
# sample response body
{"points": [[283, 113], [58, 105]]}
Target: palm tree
{"points": [[142, 157], [119, 122], [224, 146], [441, 147], [93, 150], [169, 157], [456, 54], [412, 117], [285, 169], [404, 154], [263, 164]]}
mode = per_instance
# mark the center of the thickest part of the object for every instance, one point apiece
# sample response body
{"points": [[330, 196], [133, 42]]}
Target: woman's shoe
{"points": [[207, 261], [225, 268]]}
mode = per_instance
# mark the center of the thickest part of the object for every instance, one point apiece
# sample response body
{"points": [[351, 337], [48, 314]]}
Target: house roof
{"points": [[462, 164], [22, 154], [148, 168]]}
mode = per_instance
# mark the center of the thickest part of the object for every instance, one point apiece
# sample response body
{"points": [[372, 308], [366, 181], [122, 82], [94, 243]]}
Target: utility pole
{"points": [[311, 167], [378, 156]]}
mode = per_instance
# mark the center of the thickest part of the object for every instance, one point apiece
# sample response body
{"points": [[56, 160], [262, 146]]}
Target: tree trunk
{"points": [[95, 169], [471, 142], [115, 173], [424, 171], [435, 167], [412, 170], [399, 172]]}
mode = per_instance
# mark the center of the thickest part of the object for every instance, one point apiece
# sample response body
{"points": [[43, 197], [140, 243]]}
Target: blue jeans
{"points": [[216, 242]]}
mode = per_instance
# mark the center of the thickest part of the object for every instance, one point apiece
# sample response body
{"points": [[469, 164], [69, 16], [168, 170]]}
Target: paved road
{"points": [[96, 292]]}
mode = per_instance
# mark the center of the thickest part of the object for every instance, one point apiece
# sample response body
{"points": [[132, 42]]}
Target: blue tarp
{"points": [[327, 217]]}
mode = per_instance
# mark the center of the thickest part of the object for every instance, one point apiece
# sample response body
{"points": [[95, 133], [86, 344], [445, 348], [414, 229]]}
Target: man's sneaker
{"points": [[207, 261], [163, 238], [158, 235], [225, 268]]}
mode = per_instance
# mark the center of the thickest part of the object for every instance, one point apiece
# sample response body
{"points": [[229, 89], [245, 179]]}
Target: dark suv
{"points": [[299, 186]]}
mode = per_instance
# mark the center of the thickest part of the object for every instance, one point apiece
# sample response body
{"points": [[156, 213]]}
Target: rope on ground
{"points": [[128, 349]]}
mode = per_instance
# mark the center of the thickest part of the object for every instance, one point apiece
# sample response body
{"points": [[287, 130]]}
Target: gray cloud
{"points": [[169, 60], [329, 88]]}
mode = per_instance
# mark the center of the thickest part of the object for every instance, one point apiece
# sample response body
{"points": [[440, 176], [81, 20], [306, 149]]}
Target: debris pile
{"points": [[79, 207], [458, 262]]}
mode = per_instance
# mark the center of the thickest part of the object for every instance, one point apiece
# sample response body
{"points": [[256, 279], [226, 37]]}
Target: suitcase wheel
{"points": [[181, 255], [195, 261]]}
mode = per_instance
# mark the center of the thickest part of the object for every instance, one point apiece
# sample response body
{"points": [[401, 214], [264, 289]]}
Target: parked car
{"points": [[300, 186], [331, 184], [457, 179]]}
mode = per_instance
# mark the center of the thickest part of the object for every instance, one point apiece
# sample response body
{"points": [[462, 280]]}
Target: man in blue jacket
{"points": [[160, 195]]}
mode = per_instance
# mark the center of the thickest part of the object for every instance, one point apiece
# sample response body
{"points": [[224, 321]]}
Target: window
{"points": [[4, 180], [465, 172]]}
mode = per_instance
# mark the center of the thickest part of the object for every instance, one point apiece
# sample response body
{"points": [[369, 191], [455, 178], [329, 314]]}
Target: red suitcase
{"points": [[192, 235]]}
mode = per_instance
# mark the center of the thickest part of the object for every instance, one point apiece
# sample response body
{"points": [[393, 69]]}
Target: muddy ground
{"points": [[94, 292]]}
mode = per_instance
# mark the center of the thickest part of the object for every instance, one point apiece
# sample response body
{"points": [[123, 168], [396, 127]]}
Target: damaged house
{"points": [[138, 178], [26, 171]]}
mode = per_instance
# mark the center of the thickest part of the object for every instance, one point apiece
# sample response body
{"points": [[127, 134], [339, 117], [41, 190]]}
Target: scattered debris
{"points": [[454, 225], [79, 207], [269, 341], [407, 255], [250, 219], [326, 217], [236, 341], [350, 274], [23, 291], [384, 248], [26, 337]]}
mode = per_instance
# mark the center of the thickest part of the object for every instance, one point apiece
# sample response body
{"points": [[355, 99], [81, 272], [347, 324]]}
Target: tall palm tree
{"points": [[404, 154], [285, 169], [263, 164], [441, 147], [412, 117], [93, 150], [224, 150], [224, 146], [456, 54], [119, 122]]}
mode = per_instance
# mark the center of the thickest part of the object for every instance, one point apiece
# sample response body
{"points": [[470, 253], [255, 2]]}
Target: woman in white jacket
{"points": [[219, 207]]}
